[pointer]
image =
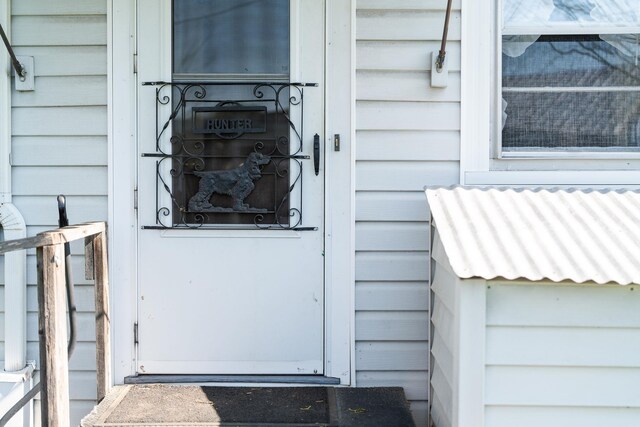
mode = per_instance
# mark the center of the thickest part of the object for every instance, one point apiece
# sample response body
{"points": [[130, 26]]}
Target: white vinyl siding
{"points": [[552, 354], [407, 136], [579, 356], [443, 346], [59, 145]]}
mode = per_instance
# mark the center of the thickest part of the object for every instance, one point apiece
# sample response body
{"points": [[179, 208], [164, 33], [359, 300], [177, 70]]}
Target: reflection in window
{"points": [[566, 91], [231, 37], [231, 140]]}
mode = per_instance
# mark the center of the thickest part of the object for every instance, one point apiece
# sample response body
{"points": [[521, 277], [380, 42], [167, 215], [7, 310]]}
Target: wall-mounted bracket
{"points": [[27, 82], [439, 75]]}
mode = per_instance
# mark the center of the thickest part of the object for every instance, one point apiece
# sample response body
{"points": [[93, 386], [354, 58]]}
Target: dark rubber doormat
{"points": [[174, 405], [179, 404]]}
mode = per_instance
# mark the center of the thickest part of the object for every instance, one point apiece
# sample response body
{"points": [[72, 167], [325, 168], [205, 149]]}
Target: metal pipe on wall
{"points": [[445, 31]]}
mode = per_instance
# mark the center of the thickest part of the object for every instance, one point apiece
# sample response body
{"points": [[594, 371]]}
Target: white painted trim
{"points": [[122, 219], [110, 144], [352, 189], [570, 89], [594, 28], [554, 178], [475, 97], [468, 387], [20, 376], [340, 186], [571, 155], [5, 107], [340, 253], [351, 276]]}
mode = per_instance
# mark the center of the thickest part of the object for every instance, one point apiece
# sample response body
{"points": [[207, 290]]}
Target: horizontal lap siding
{"points": [[443, 348], [524, 416], [407, 136], [575, 362], [59, 145]]}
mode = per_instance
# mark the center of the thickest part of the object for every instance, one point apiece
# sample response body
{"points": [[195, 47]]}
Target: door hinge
{"points": [[135, 198], [135, 63], [135, 333]]}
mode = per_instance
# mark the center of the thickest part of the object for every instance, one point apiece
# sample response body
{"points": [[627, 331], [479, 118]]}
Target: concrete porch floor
{"points": [[176, 405]]}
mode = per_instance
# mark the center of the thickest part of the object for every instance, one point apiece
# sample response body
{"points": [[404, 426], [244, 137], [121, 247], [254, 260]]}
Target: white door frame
{"points": [[339, 188]]}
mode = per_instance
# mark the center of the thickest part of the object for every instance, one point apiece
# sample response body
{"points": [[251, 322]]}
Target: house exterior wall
{"points": [[59, 146], [407, 136]]}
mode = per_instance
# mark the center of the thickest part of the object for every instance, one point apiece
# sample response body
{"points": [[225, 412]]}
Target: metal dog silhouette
{"points": [[237, 183]]}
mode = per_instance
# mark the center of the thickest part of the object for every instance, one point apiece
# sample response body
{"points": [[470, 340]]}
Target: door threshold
{"points": [[266, 379]]}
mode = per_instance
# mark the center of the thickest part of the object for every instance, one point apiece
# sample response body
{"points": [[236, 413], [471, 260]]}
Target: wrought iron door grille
{"points": [[234, 157]]}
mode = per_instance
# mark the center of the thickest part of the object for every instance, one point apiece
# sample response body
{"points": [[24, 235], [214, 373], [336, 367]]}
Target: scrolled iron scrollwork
{"points": [[282, 167], [201, 163], [293, 99]]}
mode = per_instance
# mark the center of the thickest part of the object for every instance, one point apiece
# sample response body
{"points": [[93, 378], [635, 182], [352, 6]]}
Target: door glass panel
{"points": [[243, 37], [236, 121]]}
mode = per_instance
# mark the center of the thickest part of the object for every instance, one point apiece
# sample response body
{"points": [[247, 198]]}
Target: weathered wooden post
{"points": [[52, 323], [103, 322], [52, 310]]}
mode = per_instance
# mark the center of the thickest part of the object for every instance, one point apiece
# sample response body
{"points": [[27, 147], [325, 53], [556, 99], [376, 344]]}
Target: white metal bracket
{"points": [[28, 82], [439, 77]]}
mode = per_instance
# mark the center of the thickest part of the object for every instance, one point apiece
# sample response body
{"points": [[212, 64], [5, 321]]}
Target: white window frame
{"points": [[479, 101]]}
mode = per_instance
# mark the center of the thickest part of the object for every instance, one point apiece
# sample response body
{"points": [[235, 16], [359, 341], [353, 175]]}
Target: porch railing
{"points": [[52, 320]]}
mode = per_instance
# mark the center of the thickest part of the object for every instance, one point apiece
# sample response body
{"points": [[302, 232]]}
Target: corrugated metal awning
{"points": [[540, 234]]}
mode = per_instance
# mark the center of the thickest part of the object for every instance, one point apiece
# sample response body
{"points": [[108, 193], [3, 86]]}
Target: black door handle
{"points": [[316, 153]]}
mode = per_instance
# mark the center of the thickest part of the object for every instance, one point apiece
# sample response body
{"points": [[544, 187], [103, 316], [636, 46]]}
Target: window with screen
{"points": [[570, 76]]}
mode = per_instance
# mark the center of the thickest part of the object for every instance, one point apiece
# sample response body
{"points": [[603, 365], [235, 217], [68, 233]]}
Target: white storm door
{"points": [[230, 202]]}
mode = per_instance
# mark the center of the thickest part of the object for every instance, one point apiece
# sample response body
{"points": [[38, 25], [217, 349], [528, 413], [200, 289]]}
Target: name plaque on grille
{"points": [[231, 119], [234, 156]]}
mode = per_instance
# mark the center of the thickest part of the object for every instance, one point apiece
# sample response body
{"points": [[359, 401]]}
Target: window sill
{"points": [[570, 155], [614, 178]]}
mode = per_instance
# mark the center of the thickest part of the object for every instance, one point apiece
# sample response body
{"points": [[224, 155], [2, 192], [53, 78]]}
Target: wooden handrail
{"points": [[52, 324], [54, 237]]}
